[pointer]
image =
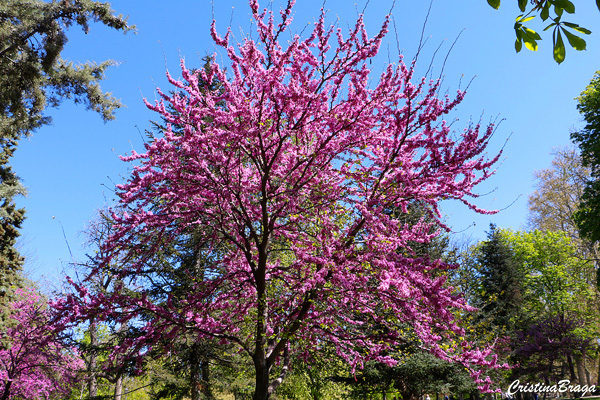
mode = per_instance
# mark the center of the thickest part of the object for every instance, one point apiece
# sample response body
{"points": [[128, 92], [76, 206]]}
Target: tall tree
{"points": [[181, 265], [307, 157], [557, 278], [561, 288], [588, 140], [554, 204], [33, 76], [502, 277], [171, 275]]}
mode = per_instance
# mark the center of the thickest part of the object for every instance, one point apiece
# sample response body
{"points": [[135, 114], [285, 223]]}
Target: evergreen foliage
{"points": [[501, 281], [33, 76]]}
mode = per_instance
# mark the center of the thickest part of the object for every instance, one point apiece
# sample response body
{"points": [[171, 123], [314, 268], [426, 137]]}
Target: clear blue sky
{"points": [[71, 166]]}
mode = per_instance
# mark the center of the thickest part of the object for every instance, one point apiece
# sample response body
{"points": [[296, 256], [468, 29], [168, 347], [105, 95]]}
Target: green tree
{"points": [[588, 140], [557, 280], [33, 76], [551, 13], [491, 279], [555, 205], [501, 291], [559, 286]]}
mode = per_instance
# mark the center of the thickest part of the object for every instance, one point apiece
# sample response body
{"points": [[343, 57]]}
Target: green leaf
{"points": [[598, 4], [494, 3], [567, 5], [519, 33], [583, 30], [558, 11], [570, 7], [575, 41], [546, 11], [518, 45], [528, 36], [531, 44], [559, 48], [532, 34], [523, 4], [578, 28], [527, 19], [549, 26]]}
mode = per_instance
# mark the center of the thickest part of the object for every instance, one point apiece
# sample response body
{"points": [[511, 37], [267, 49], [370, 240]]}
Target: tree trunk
{"points": [[119, 381], [261, 389], [598, 376], [571, 369], [205, 369], [6, 391], [580, 370], [588, 377], [199, 374], [119, 387], [92, 365], [261, 368], [194, 372], [586, 372]]}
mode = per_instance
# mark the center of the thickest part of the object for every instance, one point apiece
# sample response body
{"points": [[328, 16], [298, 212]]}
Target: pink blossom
{"points": [[33, 361]]}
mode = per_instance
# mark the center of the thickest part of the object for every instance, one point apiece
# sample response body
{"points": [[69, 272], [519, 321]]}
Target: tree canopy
{"points": [[588, 140]]}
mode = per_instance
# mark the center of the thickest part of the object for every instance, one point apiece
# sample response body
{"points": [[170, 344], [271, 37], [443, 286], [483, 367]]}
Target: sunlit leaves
{"points": [[575, 41], [557, 277], [526, 35], [553, 10]]}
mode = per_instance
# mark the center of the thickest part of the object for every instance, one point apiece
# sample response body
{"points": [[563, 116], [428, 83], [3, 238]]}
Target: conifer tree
{"points": [[33, 76], [501, 281]]}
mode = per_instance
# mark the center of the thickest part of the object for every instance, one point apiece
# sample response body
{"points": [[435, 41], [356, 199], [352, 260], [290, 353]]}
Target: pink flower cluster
{"points": [[33, 361]]}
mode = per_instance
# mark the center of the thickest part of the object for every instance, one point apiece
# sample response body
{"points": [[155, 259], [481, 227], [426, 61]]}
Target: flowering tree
{"points": [[33, 361], [287, 178], [543, 343]]}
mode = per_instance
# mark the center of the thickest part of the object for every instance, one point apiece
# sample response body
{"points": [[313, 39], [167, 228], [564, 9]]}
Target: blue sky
{"points": [[71, 166]]}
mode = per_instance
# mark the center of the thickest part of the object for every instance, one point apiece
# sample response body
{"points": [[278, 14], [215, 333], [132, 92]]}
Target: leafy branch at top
{"points": [[551, 12]]}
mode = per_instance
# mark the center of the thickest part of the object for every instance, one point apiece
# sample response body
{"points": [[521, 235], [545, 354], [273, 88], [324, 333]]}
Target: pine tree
{"points": [[33, 76], [501, 281]]}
